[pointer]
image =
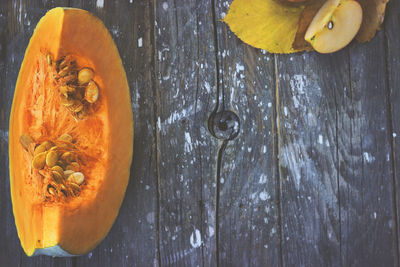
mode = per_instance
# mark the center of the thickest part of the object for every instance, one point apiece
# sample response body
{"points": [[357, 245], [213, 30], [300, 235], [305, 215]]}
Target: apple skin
{"points": [[334, 26]]}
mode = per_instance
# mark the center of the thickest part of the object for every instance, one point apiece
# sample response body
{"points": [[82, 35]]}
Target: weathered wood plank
{"points": [[336, 140], [22, 17], [133, 239], [185, 65], [249, 231], [367, 220], [8, 234], [307, 157], [392, 22]]}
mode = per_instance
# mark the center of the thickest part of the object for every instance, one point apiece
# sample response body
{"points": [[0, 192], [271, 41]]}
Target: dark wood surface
{"points": [[306, 176]]}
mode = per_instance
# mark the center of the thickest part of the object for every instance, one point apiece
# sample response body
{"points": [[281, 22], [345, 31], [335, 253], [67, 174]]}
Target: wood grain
{"points": [[249, 232], [368, 236], [308, 155], [392, 58], [185, 69], [311, 179]]}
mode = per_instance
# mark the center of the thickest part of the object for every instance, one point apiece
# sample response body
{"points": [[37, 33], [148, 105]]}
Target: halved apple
{"points": [[334, 25]]}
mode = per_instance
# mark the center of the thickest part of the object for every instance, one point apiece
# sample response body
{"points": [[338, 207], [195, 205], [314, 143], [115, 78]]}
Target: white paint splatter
{"points": [[298, 83], [115, 31], [177, 115], [195, 239], [150, 217], [285, 111], [239, 67], [188, 146], [327, 143], [273, 231], [210, 231], [263, 179], [264, 196], [207, 86], [368, 157], [320, 139], [165, 6], [140, 42], [159, 123], [100, 3]]}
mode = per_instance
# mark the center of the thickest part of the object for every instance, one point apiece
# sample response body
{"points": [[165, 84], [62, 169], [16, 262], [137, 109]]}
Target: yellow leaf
{"points": [[264, 24]]}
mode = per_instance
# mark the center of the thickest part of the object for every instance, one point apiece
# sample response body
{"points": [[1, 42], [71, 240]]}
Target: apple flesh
{"points": [[334, 25]]}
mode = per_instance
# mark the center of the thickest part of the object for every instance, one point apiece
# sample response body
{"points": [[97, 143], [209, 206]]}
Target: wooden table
{"points": [[302, 173]]}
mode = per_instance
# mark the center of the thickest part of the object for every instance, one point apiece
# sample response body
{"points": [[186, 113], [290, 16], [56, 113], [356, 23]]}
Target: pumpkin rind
{"points": [[75, 226]]}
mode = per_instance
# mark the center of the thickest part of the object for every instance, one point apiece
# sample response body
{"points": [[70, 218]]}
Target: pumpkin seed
{"points": [[39, 160], [49, 59], [77, 107], [85, 75], [51, 158], [54, 148], [64, 190], [91, 92], [77, 178], [58, 169], [75, 188], [51, 190], [65, 146], [48, 144], [68, 157], [67, 173], [39, 149], [61, 164], [65, 137], [26, 140], [57, 177], [75, 165], [69, 168]]}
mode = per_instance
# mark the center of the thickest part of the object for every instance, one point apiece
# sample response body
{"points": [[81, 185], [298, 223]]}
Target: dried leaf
{"points": [[264, 24], [373, 16]]}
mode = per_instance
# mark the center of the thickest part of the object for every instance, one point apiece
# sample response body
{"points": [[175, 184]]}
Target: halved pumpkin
{"points": [[57, 213]]}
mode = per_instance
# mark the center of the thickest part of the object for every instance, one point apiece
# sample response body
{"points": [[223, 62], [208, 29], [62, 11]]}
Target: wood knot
{"points": [[224, 125]]}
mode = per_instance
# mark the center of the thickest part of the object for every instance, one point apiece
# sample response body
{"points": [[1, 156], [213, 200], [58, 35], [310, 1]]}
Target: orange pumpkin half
{"points": [[71, 135]]}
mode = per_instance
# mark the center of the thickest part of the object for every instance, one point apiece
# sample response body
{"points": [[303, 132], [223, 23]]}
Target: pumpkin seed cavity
{"points": [[58, 161], [76, 87]]}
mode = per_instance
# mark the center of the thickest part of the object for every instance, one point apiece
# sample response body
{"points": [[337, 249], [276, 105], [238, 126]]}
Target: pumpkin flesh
{"points": [[76, 225]]}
